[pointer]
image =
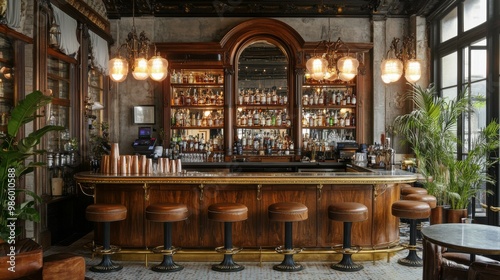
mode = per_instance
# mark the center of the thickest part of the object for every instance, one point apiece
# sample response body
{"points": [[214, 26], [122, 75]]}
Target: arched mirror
{"points": [[263, 121]]}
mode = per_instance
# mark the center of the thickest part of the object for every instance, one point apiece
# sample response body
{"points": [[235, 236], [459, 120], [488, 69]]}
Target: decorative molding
{"points": [[93, 16]]}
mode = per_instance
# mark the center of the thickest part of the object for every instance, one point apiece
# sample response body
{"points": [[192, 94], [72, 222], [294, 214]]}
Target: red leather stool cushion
{"points": [[106, 212], [348, 212], [287, 212], [167, 212], [410, 209], [63, 266], [29, 255], [227, 212], [427, 198]]}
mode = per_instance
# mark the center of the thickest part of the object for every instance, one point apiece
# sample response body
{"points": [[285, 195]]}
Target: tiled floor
{"points": [[202, 270]]}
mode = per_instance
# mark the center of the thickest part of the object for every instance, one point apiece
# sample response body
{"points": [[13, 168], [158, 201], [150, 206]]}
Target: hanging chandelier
{"points": [[137, 50], [401, 60], [333, 65]]}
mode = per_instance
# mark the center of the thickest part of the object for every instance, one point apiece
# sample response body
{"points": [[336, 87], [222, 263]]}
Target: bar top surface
{"points": [[196, 177]]}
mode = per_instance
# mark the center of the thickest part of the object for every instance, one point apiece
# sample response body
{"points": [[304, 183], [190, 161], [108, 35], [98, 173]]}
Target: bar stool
{"points": [[228, 213], [347, 212], [412, 210], [167, 213], [288, 212], [411, 190], [106, 213]]}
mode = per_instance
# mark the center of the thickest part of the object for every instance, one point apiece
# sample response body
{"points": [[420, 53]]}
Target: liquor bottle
{"points": [[347, 119], [353, 99], [191, 78], [274, 98]]}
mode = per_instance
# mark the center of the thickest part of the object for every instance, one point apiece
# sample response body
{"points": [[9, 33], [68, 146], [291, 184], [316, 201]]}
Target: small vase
{"points": [[455, 215]]}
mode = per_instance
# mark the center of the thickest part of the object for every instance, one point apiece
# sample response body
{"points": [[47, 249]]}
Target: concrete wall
{"points": [[381, 99]]}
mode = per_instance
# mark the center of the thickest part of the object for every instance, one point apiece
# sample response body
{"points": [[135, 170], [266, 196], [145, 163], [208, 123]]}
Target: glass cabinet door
{"points": [[263, 122], [6, 81]]}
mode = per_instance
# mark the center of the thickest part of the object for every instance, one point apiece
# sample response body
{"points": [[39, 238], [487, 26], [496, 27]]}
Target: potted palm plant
{"points": [[14, 156], [430, 130]]}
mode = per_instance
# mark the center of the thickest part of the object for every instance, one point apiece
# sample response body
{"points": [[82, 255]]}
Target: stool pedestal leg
{"points": [[168, 264], [106, 264], [346, 264], [288, 263], [412, 259], [228, 264]]}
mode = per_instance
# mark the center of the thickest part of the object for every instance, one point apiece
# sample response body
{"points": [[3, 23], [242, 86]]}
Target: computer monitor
{"points": [[145, 132]]}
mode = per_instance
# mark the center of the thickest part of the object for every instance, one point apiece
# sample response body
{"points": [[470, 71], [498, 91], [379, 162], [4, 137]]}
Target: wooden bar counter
{"points": [[376, 189]]}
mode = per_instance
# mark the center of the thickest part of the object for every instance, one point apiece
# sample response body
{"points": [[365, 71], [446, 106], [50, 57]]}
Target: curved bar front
{"points": [[377, 190]]}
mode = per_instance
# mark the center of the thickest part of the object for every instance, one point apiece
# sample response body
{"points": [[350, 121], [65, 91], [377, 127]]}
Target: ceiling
{"points": [[268, 8]]}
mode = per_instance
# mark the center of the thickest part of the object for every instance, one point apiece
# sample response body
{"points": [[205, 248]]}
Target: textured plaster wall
{"points": [[131, 92]]}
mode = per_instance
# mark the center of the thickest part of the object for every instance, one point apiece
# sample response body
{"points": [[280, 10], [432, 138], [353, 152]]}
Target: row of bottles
{"points": [[318, 118], [329, 97], [196, 143], [198, 97], [263, 142], [196, 78], [186, 118], [263, 118], [313, 143], [261, 97]]}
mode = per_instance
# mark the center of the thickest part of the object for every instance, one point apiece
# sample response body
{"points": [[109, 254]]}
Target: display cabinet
{"points": [[6, 81], [328, 115], [196, 115], [263, 120], [61, 146]]}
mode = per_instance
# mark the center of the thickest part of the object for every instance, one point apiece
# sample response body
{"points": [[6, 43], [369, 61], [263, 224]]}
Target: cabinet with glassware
{"points": [[196, 115], [328, 116], [263, 116], [61, 147], [6, 81]]}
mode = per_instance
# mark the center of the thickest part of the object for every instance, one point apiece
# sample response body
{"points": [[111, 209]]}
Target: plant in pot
{"points": [[15, 157], [430, 130]]}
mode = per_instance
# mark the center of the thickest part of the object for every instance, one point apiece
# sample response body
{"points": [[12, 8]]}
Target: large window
{"points": [[465, 52]]}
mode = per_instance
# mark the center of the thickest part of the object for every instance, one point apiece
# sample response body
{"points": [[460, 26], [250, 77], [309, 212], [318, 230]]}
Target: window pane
{"points": [[466, 65], [449, 25], [477, 119], [449, 70], [474, 13], [481, 43], [449, 93], [478, 65]]}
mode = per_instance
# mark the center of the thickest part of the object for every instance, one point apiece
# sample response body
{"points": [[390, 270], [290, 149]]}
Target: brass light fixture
{"points": [[333, 64], [137, 49], [401, 60]]}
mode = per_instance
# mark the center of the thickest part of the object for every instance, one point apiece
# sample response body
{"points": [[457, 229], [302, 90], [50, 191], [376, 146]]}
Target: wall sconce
{"points": [[137, 48], [401, 60], [329, 66]]}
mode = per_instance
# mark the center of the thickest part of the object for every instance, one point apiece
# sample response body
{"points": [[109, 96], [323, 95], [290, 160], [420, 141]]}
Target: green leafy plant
{"points": [[15, 162], [99, 140], [430, 130]]}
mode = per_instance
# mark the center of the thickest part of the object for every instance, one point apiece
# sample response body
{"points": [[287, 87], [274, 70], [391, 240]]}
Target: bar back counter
{"points": [[376, 189]]}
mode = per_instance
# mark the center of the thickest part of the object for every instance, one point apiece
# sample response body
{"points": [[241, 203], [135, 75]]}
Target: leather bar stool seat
{"points": [[412, 210], [347, 212], [288, 212], [427, 198], [228, 213], [411, 190], [167, 213], [106, 213], [63, 266]]}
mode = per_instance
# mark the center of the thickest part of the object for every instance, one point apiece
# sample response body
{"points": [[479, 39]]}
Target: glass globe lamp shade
{"points": [[348, 68], [317, 67], [413, 70], [140, 70], [157, 68], [392, 70], [118, 69]]}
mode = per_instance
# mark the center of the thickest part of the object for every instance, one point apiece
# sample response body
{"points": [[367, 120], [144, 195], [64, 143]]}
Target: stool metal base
{"points": [[227, 265], [412, 260], [106, 265], [346, 264], [288, 265], [168, 265]]}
